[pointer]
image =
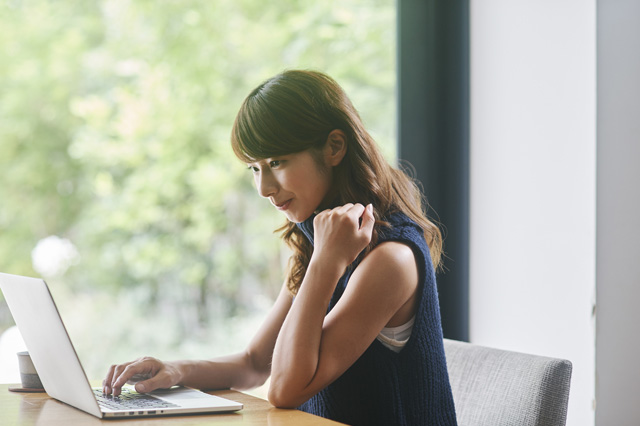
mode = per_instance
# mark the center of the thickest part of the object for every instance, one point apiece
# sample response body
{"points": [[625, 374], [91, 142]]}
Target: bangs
{"points": [[276, 120], [257, 134]]}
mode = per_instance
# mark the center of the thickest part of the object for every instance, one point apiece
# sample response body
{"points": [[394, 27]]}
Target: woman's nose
{"points": [[266, 184]]}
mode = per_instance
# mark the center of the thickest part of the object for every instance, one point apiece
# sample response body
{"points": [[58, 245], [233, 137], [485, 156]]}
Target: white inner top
{"points": [[395, 338]]}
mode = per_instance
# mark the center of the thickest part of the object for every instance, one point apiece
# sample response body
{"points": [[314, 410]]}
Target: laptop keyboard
{"points": [[129, 400]]}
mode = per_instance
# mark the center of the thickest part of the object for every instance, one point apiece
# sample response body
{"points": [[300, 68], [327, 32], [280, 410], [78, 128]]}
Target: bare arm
{"points": [[243, 370], [312, 349]]}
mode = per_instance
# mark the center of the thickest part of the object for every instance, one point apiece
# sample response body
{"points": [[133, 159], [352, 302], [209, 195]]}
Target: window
{"points": [[118, 182]]}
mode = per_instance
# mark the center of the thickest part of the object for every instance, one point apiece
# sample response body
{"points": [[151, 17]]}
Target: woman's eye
{"points": [[274, 163], [253, 169]]}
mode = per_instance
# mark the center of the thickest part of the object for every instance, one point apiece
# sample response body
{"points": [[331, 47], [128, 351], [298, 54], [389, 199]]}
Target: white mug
{"points": [[28, 373]]}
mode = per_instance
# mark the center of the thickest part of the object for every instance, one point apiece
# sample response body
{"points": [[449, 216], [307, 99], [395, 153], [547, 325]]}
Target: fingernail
{"points": [[141, 387]]}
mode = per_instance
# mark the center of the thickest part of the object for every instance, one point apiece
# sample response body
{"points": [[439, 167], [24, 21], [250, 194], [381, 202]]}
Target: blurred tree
{"points": [[114, 134]]}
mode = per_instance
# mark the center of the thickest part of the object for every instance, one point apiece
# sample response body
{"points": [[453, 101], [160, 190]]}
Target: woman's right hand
{"points": [[147, 373]]}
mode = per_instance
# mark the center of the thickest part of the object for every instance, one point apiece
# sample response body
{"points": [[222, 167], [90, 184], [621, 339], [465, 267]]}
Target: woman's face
{"points": [[296, 184]]}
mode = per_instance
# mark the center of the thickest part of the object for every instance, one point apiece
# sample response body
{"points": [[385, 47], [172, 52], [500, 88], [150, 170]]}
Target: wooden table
{"points": [[26, 409]]}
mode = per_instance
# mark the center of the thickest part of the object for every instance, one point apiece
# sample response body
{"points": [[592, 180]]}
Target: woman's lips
{"points": [[283, 206]]}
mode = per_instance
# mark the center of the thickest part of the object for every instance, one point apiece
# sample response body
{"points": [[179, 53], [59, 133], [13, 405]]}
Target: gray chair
{"points": [[493, 387]]}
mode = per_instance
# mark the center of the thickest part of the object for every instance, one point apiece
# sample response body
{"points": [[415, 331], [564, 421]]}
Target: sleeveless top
{"points": [[383, 387]]}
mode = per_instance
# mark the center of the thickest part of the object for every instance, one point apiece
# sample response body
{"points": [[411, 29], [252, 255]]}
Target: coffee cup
{"points": [[28, 373]]}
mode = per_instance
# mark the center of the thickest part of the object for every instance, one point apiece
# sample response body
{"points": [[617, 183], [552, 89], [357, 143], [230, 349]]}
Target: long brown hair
{"points": [[295, 111]]}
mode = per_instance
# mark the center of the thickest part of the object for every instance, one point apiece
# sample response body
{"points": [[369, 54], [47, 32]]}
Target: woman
{"points": [[355, 333]]}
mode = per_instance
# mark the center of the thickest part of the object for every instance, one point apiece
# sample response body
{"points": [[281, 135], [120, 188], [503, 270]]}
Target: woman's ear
{"points": [[335, 147]]}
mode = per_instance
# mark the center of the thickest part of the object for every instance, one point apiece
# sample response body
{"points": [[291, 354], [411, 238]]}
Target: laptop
{"points": [[62, 375]]}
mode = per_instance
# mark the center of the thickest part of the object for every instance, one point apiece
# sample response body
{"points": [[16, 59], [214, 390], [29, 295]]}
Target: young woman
{"points": [[355, 334]]}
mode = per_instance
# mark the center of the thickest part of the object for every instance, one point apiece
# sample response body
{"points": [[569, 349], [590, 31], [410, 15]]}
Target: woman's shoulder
{"points": [[394, 251], [402, 229]]}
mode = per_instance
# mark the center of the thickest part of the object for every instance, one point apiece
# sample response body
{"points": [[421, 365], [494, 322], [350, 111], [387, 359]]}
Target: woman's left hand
{"points": [[342, 233]]}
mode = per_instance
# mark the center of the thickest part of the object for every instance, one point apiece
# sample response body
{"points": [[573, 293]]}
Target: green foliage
{"points": [[114, 134]]}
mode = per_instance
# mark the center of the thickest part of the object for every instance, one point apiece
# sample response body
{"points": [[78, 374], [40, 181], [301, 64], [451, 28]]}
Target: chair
{"points": [[493, 387]]}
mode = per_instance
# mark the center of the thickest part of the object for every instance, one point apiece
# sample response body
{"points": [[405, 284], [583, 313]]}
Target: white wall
{"points": [[618, 214], [533, 177]]}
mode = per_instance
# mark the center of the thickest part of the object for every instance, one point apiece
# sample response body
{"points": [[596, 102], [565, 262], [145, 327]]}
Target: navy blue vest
{"points": [[384, 387]]}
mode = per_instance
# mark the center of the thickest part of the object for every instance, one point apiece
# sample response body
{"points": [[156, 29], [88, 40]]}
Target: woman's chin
{"points": [[297, 217]]}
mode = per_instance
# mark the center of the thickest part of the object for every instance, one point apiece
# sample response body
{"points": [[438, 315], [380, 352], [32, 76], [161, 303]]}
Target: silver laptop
{"points": [[62, 375]]}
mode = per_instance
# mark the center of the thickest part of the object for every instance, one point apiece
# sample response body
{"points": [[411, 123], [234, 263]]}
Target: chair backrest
{"points": [[493, 387]]}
